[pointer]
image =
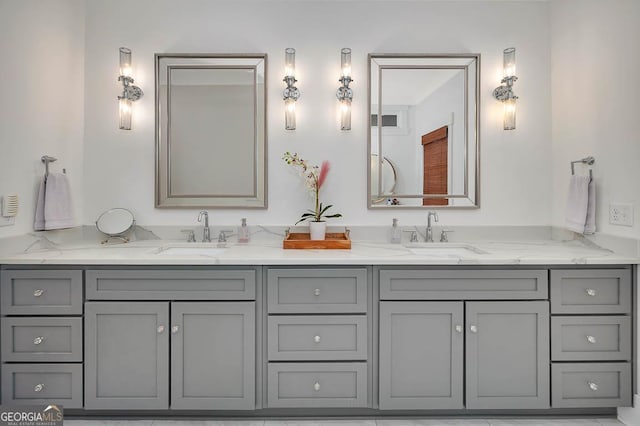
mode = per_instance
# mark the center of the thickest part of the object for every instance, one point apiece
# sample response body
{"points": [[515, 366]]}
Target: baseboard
{"points": [[630, 416]]}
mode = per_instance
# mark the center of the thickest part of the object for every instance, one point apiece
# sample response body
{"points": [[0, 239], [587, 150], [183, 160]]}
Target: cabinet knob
{"points": [[39, 387], [316, 339], [175, 329], [38, 340], [458, 329], [160, 329], [474, 329], [38, 292], [316, 292], [593, 386], [316, 386], [591, 292], [591, 339]]}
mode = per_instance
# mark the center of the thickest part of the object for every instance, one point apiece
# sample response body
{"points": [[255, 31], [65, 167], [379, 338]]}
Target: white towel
{"points": [[579, 204], [54, 210], [590, 223]]}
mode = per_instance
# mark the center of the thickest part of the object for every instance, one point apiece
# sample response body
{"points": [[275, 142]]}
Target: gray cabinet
{"points": [[212, 346], [421, 355], [126, 355], [507, 352], [213, 355]]}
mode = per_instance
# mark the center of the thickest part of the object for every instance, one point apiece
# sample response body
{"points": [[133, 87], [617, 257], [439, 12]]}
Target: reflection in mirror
{"points": [[388, 177], [423, 119], [211, 131]]}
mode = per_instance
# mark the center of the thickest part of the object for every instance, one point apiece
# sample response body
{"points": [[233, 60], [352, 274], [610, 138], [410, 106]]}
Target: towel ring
{"points": [[586, 160]]}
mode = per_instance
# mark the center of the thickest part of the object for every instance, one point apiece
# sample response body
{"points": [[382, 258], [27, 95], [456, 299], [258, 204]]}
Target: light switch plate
{"points": [[621, 214]]}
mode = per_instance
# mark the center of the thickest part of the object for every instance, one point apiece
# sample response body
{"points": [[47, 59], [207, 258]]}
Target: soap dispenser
{"points": [[396, 232], [243, 231]]}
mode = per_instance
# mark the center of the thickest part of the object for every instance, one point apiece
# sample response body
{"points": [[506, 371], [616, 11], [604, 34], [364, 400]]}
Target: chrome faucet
{"points": [[429, 238], [206, 233]]}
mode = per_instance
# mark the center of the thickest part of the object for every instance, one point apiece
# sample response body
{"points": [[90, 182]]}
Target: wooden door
{"points": [[421, 355], [507, 355], [435, 165], [126, 355], [213, 355]]}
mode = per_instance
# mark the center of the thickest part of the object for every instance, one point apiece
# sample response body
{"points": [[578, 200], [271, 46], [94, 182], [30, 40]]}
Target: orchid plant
{"points": [[314, 177]]}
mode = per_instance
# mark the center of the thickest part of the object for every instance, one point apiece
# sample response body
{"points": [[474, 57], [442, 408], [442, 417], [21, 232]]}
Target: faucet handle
{"points": [[222, 236], [413, 238], [191, 235], [444, 237]]}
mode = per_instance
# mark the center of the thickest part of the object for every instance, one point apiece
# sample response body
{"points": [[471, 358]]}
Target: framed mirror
{"points": [[424, 115], [211, 131]]}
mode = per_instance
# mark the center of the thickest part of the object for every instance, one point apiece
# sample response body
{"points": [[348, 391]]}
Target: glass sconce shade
{"points": [[345, 59], [345, 114], [509, 112], [289, 62], [125, 62], [509, 62], [291, 92], [125, 113], [290, 114]]}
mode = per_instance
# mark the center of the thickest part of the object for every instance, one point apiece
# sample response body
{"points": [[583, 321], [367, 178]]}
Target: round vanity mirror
{"points": [[388, 182], [115, 223]]}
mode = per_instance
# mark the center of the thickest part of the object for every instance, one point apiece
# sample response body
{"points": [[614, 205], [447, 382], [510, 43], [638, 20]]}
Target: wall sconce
{"points": [[504, 92], [344, 93], [130, 92], [291, 93]]}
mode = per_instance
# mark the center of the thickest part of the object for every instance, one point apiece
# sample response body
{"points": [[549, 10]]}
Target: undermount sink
{"points": [[192, 251], [444, 250]]}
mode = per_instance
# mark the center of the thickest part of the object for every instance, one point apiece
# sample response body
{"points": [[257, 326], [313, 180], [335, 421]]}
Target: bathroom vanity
{"points": [[305, 338]]}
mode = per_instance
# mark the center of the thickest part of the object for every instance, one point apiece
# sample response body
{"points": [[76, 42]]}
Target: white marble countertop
{"points": [[39, 249]]}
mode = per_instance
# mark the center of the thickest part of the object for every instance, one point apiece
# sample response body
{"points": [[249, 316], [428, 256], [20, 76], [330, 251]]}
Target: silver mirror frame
{"points": [[222, 202], [371, 202]]}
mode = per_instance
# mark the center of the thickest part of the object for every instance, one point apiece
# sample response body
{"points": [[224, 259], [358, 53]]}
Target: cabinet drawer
{"points": [[424, 284], [219, 284], [591, 385], [591, 338], [320, 338], [317, 384], [42, 339], [42, 384], [41, 292], [317, 290], [591, 291]]}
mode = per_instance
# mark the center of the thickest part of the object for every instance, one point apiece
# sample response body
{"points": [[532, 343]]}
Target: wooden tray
{"points": [[296, 240]]}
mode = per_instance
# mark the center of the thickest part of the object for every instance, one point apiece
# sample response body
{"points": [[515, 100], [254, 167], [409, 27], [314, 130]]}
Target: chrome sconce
{"points": [[130, 92], [345, 93], [291, 93], [504, 92]]}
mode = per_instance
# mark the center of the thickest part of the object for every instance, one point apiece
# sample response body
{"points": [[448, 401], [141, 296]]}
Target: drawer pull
{"points": [[593, 386], [38, 340], [458, 329], [38, 292], [160, 329], [316, 387], [39, 387], [591, 339], [175, 329], [316, 339], [591, 292], [316, 292], [474, 329]]}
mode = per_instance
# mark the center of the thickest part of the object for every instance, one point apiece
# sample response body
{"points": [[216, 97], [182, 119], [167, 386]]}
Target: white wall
{"points": [[516, 166], [594, 68], [42, 97]]}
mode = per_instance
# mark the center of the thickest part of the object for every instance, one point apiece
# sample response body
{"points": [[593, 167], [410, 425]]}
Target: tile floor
{"points": [[412, 422]]}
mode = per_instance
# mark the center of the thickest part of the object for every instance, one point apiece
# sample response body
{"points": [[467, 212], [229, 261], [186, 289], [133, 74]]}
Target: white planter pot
{"points": [[317, 230]]}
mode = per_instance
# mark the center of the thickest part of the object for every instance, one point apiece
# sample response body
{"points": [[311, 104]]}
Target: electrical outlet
{"points": [[621, 214]]}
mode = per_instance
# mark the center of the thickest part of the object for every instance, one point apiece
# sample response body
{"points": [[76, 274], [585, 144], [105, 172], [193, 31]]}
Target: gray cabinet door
{"points": [[421, 355], [213, 356], [507, 352], [126, 355]]}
